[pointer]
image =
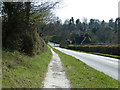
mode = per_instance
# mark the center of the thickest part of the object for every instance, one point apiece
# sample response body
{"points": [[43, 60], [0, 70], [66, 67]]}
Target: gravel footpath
{"points": [[55, 77]]}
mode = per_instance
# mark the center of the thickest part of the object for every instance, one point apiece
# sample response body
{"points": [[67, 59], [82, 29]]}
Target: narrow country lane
{"points": [[107, 65], [55, 77], [104, 64]]}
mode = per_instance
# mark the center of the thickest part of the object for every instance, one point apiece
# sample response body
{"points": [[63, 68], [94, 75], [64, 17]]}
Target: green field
{"points": [[83, 76], [21, 71]]}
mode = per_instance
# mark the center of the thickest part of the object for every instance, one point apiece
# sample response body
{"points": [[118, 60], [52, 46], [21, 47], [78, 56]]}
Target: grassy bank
{"points": [[21, 71], [83, 76]]}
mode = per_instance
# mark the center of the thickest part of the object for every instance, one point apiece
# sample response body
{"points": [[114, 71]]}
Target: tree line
{"points": [[86, 32], [28, 27]]}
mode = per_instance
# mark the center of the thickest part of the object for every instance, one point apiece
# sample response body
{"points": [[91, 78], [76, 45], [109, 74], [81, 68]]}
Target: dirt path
{"points": [[55, 77]]}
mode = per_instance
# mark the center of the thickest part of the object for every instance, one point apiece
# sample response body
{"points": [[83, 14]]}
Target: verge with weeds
{"points": [[21, 71]]}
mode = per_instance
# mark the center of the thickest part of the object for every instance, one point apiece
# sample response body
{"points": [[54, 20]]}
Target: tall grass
{"points": [[21, 71]]}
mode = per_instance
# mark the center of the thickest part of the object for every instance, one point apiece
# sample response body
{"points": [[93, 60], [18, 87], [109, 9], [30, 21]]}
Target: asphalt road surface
{"points": [[104, 64]]}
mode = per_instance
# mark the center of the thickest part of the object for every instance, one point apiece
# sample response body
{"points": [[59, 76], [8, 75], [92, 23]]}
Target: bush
{"points": [[106, 49], [30, 43]]}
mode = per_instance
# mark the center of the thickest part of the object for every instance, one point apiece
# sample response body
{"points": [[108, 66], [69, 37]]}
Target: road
{"points": [[104, 64]]}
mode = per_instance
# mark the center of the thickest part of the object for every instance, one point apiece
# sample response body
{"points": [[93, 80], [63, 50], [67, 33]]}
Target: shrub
{"points": [[106, 49]]}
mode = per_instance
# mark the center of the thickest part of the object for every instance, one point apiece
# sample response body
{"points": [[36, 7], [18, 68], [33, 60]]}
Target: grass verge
{"points": [[83, 76], [21, 71]]}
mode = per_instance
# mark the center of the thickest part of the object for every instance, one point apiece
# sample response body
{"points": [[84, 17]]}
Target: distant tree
{"points": [[111, 23], [94, 31], [117, 29], [71, 24], [79, 25], [103, 22], [94, 25], [84, 24], [71, 20], [117, 24], [77, 21]]}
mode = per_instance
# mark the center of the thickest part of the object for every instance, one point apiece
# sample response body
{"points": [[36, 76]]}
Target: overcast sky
{"points": [[97, 9]]}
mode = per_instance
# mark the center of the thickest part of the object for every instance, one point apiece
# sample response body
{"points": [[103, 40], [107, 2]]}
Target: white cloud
{"points": [[98, 9]]}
